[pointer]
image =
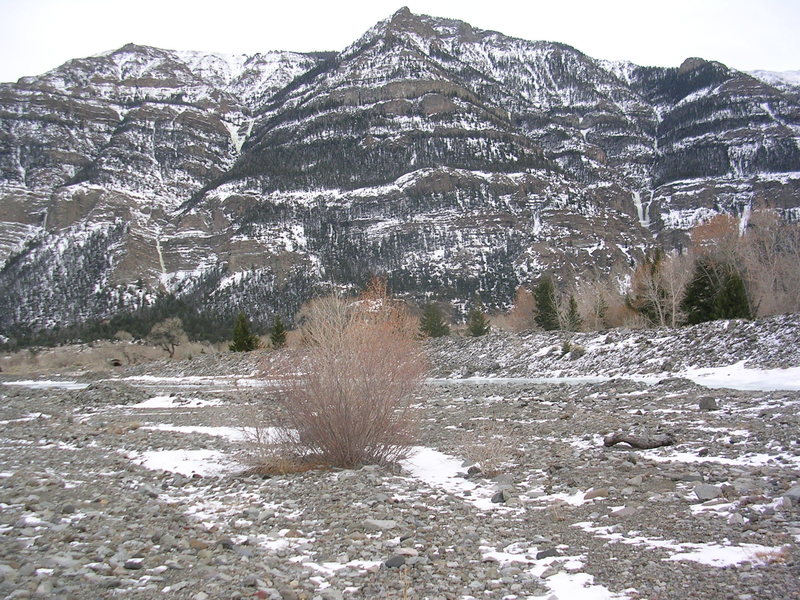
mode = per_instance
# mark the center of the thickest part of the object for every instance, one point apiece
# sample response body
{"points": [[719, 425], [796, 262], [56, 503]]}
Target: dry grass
{"points": [[782, 555], [283, 465], [123, 428], [491, 448], [98, 356]]}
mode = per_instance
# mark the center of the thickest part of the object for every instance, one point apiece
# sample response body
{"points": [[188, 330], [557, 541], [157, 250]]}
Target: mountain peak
{"points": [[691, 63], [406, 21], [401, 13]]}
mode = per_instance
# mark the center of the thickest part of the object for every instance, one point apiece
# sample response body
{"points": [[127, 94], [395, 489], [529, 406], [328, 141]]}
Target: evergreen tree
{"points": [[546, 304], [716, 291], [432, 323], [477, 323], [277, 334], [573, 320], [732, 302], [243, 340]]}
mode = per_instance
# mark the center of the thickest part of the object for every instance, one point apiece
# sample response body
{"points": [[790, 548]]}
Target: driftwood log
{"points": [[642, 442]]}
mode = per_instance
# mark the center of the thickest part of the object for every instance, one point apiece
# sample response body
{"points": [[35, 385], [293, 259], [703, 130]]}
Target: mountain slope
{"points": [[455, 161]]}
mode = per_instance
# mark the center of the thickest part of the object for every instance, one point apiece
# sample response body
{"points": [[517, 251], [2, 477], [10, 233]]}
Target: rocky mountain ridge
{"points": [[455, 161]]}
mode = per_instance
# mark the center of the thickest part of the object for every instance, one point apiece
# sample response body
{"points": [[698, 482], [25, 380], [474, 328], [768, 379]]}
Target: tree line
{"points": [[733, 269]]}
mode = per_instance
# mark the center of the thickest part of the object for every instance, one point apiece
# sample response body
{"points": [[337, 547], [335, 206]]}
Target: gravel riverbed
{"points": [[134, 488]]}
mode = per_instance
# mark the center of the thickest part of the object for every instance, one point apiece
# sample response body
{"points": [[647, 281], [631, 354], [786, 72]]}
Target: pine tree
{"points": [[716, 291], [432, 323], [732, 302], [477, 323], [243, 340], [277, 334], [574, 322], [546, 304]]}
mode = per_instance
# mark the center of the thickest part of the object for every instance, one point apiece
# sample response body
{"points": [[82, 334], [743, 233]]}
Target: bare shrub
{"points": [[346, 396], [492, 449], [266, 450]]}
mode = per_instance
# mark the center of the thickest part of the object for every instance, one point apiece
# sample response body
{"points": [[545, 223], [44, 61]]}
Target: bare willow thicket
{"points": [[765, 249], [346, 398]]}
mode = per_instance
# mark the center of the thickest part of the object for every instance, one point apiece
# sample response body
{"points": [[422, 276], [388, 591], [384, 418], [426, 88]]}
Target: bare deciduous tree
{"points": [[675, 275], [769, 253], [168, 335], [658, 286]]}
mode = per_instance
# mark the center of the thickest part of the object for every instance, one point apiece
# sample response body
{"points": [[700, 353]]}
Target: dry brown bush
{"points": [[345, 398], [520, 317]]}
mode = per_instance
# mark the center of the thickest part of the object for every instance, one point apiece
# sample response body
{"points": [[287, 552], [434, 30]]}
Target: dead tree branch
{"points": [[642, 442]]}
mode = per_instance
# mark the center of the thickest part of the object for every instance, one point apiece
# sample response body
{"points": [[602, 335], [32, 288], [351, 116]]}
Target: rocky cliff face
{"points": [[457, 162]]}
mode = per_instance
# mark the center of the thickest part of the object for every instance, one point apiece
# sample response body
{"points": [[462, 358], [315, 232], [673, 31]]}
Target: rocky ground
{"points": [[131, 487]]}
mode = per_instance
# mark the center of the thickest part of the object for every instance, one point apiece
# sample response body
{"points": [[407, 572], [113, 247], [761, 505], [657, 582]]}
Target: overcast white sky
{"points": [[38, 35]]}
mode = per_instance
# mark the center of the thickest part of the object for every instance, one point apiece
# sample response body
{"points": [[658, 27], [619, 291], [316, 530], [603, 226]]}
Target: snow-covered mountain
{"points": [[457, 162]]}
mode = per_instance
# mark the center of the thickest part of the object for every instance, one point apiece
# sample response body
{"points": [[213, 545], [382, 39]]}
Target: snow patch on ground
{"points": [[440, 470], [715, 555], [195, 381], [711, 554], [564, 585], [569, 586], [205, 463], [29, 417], [749, 459], [175, 402], [44, 384], [231, 433], [737, 377]]}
